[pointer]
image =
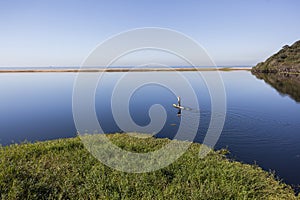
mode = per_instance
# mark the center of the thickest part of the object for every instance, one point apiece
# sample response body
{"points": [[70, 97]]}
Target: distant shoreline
{"points": [[39, 70]]}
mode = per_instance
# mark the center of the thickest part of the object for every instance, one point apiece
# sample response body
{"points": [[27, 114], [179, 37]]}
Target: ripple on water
{"points": [[249, 126]]}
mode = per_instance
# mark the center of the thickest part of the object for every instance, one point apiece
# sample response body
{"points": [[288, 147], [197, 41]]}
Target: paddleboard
{"points": [[176, 106]]}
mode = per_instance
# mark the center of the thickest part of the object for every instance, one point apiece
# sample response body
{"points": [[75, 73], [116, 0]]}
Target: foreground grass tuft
{"points": [[64, 169]]}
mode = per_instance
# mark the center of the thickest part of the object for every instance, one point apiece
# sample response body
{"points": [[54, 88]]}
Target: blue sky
{"points": [[63, 32]]}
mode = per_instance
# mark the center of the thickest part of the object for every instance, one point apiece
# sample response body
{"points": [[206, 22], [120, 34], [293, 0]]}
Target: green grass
{"points": [[63, 169]]}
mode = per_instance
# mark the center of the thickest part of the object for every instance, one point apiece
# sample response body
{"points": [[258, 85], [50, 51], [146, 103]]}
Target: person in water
{"points": [[178, 101], [179, 104]]}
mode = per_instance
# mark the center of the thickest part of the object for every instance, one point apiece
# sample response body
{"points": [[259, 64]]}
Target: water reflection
{"points": [[179, 112], [285, 84]]}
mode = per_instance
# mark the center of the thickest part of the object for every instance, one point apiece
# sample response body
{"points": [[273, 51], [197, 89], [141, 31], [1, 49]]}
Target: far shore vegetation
{"points": [[64, 169], [121, 69]]}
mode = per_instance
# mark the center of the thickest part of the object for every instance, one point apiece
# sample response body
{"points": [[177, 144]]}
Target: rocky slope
{"points": [[286, 60]]}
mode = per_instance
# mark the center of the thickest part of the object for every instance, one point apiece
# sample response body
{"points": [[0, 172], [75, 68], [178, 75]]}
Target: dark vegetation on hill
{"points": [[287, 60], [282, 71]]}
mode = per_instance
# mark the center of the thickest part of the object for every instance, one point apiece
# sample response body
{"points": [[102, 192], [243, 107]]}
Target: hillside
{"points": [[286, 60]]}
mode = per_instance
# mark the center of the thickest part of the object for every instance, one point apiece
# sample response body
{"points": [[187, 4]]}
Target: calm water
{"points": [[262, 126]]}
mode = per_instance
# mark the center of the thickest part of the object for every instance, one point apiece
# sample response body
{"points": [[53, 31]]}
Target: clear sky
{"points": [[63, 32]]}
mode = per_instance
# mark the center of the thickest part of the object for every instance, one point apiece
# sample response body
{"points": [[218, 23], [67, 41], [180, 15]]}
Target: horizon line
{"points": [[165, 69], [132, 66]]}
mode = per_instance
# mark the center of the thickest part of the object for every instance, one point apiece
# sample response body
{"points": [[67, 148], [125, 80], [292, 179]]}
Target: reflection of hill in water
{"points": [[287, 84]]}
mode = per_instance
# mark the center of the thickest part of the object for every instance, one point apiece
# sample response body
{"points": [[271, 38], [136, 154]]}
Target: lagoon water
{"points": [[262, 126]]}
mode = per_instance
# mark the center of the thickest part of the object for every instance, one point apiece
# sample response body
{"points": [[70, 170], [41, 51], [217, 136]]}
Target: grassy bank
{"points": [[63, 169]]}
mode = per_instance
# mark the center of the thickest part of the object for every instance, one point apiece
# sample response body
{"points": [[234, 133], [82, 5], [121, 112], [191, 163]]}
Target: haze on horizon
{"points": [[63, 33]]}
